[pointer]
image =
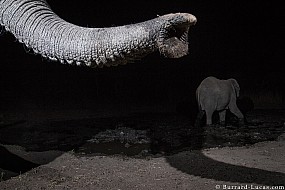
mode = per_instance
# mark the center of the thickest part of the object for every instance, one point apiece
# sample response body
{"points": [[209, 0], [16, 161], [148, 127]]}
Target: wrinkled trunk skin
{"points": [[33, 23]]}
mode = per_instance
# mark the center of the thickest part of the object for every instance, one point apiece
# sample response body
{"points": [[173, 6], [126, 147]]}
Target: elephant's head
{"points": [[39, 28], [235, 85]]}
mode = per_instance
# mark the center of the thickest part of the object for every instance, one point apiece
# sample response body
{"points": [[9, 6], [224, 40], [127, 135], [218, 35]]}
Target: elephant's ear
{"points": [[236, 86]]}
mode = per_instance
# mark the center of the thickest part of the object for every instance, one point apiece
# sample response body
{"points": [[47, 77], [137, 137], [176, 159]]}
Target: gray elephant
{"points": [[39, 28], [218, 95]]}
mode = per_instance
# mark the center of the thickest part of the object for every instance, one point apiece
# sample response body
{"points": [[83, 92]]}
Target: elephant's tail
{"points": [[198, 98], [201, 111]]}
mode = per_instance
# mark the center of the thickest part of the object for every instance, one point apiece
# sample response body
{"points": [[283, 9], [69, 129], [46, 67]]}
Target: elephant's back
{"points": [[209, 84]]}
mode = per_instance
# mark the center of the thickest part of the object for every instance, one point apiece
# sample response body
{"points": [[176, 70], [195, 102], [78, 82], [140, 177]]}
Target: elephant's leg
{"points": [[222, 115], [235, 110], [209, 114]]}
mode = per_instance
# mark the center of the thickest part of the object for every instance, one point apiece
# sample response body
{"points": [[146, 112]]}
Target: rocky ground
{"points": [[142, 151]]}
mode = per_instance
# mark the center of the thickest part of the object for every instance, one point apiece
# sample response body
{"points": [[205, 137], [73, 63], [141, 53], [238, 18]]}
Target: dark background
{"points": [[232, 39]]}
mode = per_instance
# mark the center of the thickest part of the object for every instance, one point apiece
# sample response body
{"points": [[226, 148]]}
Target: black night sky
{"points": [[232, 39]]}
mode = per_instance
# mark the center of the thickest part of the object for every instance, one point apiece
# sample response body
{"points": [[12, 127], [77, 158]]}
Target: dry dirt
{"points": [[251, 158]]}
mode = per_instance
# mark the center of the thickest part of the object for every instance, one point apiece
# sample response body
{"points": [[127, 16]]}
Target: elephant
{"points": [[218, 95], [33, 23]]}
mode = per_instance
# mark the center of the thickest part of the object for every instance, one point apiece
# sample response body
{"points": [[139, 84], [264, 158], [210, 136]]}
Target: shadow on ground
{"points": [[14, 163], [198, 164]]}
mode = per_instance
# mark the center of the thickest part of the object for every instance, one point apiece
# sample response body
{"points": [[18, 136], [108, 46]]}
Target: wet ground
{"points": [[138, 135]]}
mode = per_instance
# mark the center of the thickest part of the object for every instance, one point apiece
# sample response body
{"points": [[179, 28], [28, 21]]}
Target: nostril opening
{"points": [[173, 40], [178, 32]]}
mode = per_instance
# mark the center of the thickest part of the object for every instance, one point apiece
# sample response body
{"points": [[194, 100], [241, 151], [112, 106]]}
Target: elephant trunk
{"points": [[39, 28]]}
